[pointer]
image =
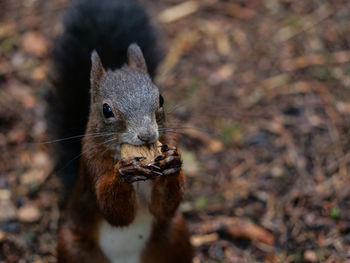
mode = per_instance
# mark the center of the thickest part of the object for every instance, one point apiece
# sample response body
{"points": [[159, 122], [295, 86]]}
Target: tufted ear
{"points": [[136, 59], [97, 70]]}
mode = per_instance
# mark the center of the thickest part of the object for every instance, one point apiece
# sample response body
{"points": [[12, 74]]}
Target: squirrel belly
{"points": [[125, 244]]}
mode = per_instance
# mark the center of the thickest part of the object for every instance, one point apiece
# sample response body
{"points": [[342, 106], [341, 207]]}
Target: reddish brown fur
{"points": [[99, 193], [169, 243]]}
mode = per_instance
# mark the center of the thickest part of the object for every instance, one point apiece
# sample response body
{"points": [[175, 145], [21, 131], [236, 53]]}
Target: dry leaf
{"points": [[179, 11], [213, 144], [311, 256], [28, 214], [198, 240], [35, 44], [240, 228]]}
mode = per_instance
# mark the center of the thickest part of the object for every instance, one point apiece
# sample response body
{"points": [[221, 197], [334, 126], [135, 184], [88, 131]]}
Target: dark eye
{"points": [[107, 111], [161, 101]]}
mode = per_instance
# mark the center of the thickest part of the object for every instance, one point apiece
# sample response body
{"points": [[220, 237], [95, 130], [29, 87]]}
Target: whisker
{"points": [[171, 110], [184, 127], [174, 132], [166, 131], [86, 151], [104, 151], [80, 136]]}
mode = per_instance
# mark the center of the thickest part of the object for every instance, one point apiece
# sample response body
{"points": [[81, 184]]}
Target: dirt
{"points": [[259, 92]]}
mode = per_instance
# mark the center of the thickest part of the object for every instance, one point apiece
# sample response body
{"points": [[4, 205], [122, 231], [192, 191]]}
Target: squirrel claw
{"points": [[168, 163], [153, 165], [171, 171], [158, 158], [132, 161], [165, 148], [132, 170], [157, 173], [171, 162]]}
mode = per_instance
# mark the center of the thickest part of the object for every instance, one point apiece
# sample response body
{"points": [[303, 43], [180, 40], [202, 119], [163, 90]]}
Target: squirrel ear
{"points": [[136, 59], [97, 70]]}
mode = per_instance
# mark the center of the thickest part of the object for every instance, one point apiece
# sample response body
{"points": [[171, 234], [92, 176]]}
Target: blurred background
{"points": [[260, 94]]}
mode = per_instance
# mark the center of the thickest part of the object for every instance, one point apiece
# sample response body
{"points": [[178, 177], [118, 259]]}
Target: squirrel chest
{"points": [[125, 244]]}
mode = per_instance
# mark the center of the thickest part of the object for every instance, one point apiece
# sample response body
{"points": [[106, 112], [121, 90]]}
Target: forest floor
{"points": [[260, 93]]}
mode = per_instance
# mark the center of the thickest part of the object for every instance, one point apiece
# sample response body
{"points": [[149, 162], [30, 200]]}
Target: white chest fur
{"points": [[125, 244]]}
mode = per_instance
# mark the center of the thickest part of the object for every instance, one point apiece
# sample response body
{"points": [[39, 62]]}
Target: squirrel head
{"points": [[125, 104]]}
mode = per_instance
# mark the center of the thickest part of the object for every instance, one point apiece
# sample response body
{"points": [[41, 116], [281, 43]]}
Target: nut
{"points": [[148, 151]]}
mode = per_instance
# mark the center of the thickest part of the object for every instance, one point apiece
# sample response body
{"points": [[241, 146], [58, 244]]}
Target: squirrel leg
{"points": [[176, 247], [115, 193], [73, 247], [167, 189], [116, 199]]}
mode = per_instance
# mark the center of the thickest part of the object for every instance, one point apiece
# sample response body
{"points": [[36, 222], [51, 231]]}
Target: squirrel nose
{"points": [[145, 137]]}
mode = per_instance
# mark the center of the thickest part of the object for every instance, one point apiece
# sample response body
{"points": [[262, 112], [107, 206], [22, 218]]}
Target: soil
{"points": [[259, 92]]}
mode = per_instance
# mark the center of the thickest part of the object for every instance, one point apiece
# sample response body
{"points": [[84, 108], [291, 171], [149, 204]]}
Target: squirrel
{"points": [[120, 210]]}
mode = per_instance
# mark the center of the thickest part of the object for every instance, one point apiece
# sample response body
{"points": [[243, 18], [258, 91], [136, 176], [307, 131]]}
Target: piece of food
{"points": [[147, 151]]}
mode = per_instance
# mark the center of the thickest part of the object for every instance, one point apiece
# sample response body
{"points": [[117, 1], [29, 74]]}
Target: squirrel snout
{"points": [[147, 137]]}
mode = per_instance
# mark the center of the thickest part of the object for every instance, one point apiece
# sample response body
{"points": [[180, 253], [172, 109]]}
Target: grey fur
{"points": [[97, 70], [136, 59], [133, 98]]}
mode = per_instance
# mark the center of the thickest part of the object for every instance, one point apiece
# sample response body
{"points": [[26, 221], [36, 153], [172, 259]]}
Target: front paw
{"points": [[132, 170], [169, 161]]}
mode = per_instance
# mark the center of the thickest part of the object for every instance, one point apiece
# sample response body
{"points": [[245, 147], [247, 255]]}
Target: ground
{"points": [[259, 92]]}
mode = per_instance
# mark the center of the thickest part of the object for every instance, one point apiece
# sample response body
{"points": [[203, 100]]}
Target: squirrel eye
{"points": [[161, 101], [107, 111]]}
